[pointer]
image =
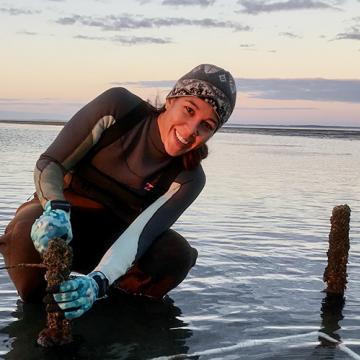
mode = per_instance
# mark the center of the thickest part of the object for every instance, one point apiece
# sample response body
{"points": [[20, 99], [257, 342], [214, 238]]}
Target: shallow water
{"points": [[261, 227]]}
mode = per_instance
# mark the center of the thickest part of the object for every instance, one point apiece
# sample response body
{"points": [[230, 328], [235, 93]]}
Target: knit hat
{"points": [[211, 83]]}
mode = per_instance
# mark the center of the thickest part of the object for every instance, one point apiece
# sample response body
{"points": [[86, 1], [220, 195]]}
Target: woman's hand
{"points": [[76, 296], [53, 223]]}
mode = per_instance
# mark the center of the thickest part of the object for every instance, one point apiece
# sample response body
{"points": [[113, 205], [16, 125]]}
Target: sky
{"points": [[296, 62]]}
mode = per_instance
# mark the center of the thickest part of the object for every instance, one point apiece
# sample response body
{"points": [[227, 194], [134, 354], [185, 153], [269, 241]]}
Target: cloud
{"points": [[42, 108], [348, 36], [290, 35], [257, 6], [25, 32], [302, 89], [202, 3], [135, 40], [71, 20], [126, 21], [278, 108], [352, 34], [17, 11], [85, 37], [247, 47], [284, 89], [11, 102], [8, 100], [127, 40], [145, 84]]}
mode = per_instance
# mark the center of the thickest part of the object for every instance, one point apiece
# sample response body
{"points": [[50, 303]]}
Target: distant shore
{"points": [[33, 122], [227, 127], [344, 132]]}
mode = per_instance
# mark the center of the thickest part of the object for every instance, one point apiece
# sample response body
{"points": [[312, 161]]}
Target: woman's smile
{"points": [[187, 123], [181, 139]]}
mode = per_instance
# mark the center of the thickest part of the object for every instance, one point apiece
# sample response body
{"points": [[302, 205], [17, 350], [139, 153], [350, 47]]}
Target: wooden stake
{"points": [[57, 259], [339, 245]]}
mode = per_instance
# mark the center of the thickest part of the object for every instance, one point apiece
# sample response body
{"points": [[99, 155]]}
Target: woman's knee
{"points": [[17, 248], [163, 267], [170, 253], [16, 243], [19, 245], [178, 249]]}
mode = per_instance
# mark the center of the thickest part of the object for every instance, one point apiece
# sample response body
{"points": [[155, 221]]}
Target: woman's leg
{"points": [[17, 248], [164, 266]]}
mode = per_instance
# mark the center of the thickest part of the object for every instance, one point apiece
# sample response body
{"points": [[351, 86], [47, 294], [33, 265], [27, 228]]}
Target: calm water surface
{"points": [[261, 227]]}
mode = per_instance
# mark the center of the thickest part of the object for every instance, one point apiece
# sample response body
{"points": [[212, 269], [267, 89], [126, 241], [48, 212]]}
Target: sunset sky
{"points": [[295, 61]]}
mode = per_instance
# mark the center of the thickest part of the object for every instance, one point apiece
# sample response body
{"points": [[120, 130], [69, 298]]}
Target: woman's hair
{"points": [[193, 158]]}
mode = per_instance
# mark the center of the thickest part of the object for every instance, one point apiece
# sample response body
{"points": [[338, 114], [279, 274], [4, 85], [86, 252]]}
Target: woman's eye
{"points": [[189, 110], [207, 125]]}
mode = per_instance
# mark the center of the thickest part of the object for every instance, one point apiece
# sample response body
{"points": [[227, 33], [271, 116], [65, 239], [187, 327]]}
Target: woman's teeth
{"points": [[181, 139]]}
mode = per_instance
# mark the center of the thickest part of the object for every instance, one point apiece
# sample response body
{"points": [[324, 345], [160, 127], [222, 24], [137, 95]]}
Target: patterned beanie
{"points": [[213, 84]]}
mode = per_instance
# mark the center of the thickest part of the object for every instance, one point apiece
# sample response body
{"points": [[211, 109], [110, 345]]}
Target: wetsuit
{"points": [[117, 244]]}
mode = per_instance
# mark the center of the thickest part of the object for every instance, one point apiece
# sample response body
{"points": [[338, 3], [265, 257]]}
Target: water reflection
{"points": [[119, 327], [331, 314]]}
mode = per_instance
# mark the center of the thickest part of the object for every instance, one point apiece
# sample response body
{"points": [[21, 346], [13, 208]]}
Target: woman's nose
{"points": [[192, 128]]}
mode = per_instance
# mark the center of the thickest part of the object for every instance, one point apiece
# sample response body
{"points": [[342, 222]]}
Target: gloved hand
{"points": [[53, 223], [76, 296]]}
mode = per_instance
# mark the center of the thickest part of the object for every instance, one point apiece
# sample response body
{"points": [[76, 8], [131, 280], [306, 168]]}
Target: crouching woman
{"points": [[112, 183]]}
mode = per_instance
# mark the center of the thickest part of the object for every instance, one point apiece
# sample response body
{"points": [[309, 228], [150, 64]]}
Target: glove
{"points": [[53, 223], [76, 296]]}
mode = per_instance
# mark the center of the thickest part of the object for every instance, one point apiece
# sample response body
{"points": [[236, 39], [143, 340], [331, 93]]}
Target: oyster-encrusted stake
{"points": [[57, 259], [339, 245]]}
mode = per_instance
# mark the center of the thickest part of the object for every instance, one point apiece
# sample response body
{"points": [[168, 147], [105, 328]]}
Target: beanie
{"points": [[211, 83]]}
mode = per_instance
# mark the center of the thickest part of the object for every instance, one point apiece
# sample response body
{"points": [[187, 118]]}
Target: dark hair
{"points": [[193, 158]]}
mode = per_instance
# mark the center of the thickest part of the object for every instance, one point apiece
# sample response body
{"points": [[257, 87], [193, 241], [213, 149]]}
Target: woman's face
{"points": [[187, 123]]}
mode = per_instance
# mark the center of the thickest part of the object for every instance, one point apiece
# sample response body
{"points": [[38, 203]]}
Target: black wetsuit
{"points": [[135, 161]]}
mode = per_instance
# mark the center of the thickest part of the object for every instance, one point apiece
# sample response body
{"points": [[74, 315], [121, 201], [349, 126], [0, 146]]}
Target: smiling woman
{"points": [[113, 182], [187, 124]]}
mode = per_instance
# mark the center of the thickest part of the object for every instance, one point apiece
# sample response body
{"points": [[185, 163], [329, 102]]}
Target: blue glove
{"points": [[53, 223], [76, 296]]}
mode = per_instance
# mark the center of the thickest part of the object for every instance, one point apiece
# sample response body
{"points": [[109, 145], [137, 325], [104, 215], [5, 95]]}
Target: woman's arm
{"points": [[153, 221], [77, 137]]}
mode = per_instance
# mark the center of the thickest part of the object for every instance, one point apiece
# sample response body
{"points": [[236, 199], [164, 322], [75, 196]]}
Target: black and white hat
{"points": [[211, 83]]}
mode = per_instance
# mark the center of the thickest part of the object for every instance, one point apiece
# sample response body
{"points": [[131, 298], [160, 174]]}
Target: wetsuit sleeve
{"points": [[76, 138], [153, 221]]}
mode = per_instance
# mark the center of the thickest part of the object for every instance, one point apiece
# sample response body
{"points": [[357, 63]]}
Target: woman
{"points": [[115, 179]]}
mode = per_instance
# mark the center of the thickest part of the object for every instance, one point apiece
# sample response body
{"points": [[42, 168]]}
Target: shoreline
{"points": [[343, 132], [33, 122]]}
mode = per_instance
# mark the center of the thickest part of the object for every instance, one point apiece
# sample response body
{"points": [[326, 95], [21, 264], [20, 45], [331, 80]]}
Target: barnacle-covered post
{"points": [[57, 259], [335, 273], [339, 245]]}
